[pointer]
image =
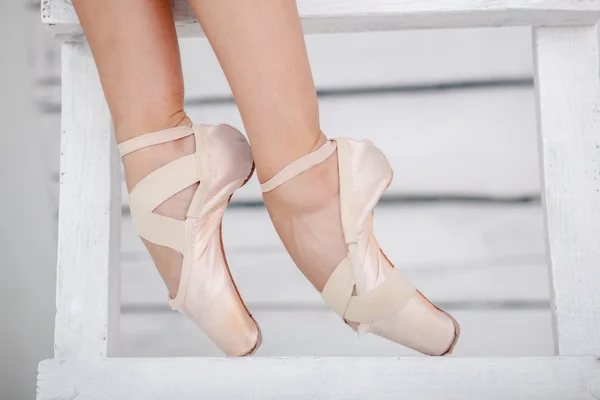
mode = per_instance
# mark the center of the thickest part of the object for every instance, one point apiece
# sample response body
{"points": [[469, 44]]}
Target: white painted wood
{"points": [[567, 74], [89, 214], [454, 254], [313, 332], [476, 283], [480, 141], [424, 57], [377, 15], [344, 61], [318, 378], [569, 92]]}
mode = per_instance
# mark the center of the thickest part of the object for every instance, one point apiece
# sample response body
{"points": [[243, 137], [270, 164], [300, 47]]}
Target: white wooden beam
{"points": [[373, 15], [323, 378], [89, 214], [567, 67]]}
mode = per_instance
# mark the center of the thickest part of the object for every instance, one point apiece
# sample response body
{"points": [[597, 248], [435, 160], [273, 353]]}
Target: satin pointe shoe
{"points": [[364, 289], [221, 164]]}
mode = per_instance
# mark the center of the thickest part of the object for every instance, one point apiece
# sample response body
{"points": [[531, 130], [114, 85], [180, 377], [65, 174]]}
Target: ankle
{"points": [[272, 155], [128, 127], [140, 163], [308, 192], [319, 141]]}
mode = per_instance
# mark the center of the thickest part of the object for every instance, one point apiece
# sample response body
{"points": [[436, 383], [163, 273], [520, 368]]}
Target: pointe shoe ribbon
{"points": [[220, 165], [395, 290]]}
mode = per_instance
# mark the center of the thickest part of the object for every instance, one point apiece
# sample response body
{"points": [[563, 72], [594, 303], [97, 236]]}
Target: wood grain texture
{"points": [[567, 75], [425, 57], [89, 214], [567, 71], [359, 15], [454, 254], [272, 281], [321, 333], [479, 141], [322, 378]]}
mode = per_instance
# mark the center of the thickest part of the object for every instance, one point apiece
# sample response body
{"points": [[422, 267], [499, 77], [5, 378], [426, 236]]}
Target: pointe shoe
{"points": [[365, 289], [207, 294]]}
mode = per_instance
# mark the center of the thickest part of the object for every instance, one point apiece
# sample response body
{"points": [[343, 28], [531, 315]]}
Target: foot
{"points": [[178, 194], [306, 211]]}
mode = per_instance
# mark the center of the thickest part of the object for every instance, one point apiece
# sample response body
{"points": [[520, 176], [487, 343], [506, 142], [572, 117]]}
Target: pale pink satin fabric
{"points": [[207, 293]]}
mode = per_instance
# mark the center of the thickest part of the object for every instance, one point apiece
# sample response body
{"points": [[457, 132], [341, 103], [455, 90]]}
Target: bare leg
{"points": [[135, 48], [260, 46], [261, 50]]}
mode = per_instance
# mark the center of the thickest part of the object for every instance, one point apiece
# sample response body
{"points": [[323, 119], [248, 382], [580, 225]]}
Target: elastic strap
{"points": [[300, 165], [386, 299], [151, 139]]}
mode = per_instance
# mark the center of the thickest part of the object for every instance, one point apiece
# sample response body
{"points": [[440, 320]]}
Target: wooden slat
{"points": [[358, 15], [89, 215], [454, 254], [567, 74], [420, 58], [321, 333], [480, 141], [476, 284], [474, 143], [346, 61], [318, 378]]}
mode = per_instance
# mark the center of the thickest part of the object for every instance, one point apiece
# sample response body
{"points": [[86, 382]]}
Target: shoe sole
{"points": [[259, 336]]}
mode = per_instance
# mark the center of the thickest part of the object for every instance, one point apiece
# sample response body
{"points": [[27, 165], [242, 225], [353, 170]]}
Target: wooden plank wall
{"points": [[455, 113]]}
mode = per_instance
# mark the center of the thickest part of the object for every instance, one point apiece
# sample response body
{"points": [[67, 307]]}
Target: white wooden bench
{"points": [[567, 70]]}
